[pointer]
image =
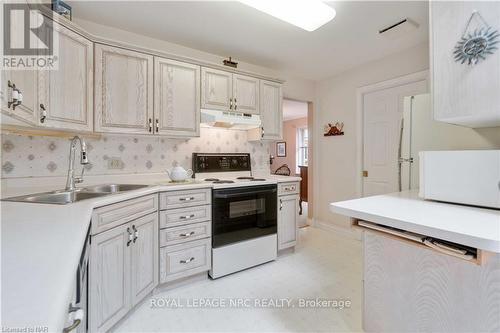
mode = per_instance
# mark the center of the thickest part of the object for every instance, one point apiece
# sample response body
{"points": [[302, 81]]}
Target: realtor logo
{"points": [[28, 38]]}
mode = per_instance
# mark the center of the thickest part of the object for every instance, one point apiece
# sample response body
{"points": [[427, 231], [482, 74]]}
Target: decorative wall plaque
{"points": [[476, 45]]}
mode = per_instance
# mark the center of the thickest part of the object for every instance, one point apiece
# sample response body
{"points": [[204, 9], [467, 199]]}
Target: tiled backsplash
{"points": [[26, 156]]}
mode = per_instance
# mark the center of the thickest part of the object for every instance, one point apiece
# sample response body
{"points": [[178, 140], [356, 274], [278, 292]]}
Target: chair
{"points": [[283, 170]]}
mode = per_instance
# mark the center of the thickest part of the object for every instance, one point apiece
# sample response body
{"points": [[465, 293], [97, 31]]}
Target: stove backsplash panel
{"points": [[28, 156]]}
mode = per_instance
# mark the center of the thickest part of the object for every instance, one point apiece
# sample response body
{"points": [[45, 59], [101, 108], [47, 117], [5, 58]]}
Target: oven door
{"points": [[243, 213]]}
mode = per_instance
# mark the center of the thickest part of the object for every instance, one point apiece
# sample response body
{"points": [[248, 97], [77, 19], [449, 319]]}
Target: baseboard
{"points": [[344, 231]]}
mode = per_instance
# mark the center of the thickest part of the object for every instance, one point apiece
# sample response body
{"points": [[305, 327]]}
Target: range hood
{"points": [[231, 120]]}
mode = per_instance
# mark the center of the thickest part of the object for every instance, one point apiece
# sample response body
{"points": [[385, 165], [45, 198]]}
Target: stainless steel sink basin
{"points": [[113, 188], [57, 197], [66, 197]]}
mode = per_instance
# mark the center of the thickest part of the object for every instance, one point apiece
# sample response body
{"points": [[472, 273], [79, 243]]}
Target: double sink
{"points": [[66, 197]]}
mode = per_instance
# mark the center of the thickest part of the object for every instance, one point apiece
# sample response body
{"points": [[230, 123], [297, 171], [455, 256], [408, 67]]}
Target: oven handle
{"points": [[240, 194]]}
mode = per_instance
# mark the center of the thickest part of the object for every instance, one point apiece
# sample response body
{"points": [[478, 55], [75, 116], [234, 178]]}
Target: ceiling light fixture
{"points": [[306, 14]]}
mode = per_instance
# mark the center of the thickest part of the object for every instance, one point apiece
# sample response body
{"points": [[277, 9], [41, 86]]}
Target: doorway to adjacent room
{"points": [[293, 154]]}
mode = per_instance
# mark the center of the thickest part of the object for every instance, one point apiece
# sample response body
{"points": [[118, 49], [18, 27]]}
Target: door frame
{"points": [[312, 186], [360, 92]]}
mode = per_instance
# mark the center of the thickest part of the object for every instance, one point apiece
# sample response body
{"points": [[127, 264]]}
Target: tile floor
{"points": [[324, 265]]}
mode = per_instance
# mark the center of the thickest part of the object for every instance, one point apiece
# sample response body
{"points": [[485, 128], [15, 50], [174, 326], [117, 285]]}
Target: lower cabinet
{"points": [[185, 234], [123, 269], [288, 208], [184, 260]]}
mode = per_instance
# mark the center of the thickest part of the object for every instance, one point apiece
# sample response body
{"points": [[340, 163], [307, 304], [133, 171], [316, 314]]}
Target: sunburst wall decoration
{"points": [[475, 46]]}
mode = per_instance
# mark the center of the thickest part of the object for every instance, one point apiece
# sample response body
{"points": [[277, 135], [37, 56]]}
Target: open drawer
{"points": [[459, 251]]}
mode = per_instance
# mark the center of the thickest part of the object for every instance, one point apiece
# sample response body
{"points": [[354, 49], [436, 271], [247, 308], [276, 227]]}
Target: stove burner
{"points": [[212, 179], [223, 182], [245, 178], [258, 179]]}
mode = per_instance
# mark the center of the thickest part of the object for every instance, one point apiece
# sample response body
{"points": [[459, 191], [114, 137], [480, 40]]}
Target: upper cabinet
{"points": [[176, 98], [65, 95], [245, 94], [123, 91], [216, 89], [271, 110], [98, 87], [464, 94], [229, 92], [60, 98]]}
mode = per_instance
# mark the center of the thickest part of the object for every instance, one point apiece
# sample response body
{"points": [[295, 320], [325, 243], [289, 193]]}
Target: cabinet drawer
{"points": [[107, 217], [185, 233], [288, 188], [188, 198], [179, 261], [182, 216]]}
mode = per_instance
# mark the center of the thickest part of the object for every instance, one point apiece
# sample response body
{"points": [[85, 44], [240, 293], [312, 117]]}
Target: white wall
{"points": [[335, 156], [293, 88]]}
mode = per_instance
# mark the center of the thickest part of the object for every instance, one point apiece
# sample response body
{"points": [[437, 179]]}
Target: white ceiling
{"points": [[294, 109], [230, 28]]}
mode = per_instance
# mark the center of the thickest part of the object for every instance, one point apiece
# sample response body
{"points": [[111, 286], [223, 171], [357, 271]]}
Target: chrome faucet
{"points": [[72, 180]]}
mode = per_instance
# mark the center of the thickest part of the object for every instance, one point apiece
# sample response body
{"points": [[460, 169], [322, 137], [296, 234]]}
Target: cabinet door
{"points": [[177, 98], [216, 89], [287, 221], [109, 297], [144, 267], [26, 82], [463, 94], [271, 101], [66, 94], [245, 94], [123, 90]]}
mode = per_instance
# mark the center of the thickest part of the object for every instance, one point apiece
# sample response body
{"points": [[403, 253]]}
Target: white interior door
{"points": [[382, 114]]}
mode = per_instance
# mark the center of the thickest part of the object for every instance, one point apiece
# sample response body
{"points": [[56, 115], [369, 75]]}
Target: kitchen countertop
{"points": [[41, 246], [471, 226]]}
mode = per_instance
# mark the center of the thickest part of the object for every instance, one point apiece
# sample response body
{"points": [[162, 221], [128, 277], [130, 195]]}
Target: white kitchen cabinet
{"points": [[288, 215], [216, 89], [225, 91], [463, 94], [245, 94], [144, 267], [109, 278], [123, 91], [176, 98], [123, 270], [26, 82], [271, 113], [65, 95]]}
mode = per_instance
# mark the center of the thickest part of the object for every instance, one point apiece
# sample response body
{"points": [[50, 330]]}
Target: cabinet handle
{"points": [[188, 234], [231, 103], [136, 233], [77, 318], [129, 237], [157, 125], [186, 217], [17, 96], [281, 204], [262, 133], [43, 114], [235, 104], [186, 261], [150, 125], [186, 199]]}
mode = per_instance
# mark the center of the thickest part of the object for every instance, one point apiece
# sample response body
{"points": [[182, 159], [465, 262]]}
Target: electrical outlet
{"points": [[115, 163]]}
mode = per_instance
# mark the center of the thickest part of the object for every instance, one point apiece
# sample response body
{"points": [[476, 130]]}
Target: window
{"points": [[302, 147]]}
